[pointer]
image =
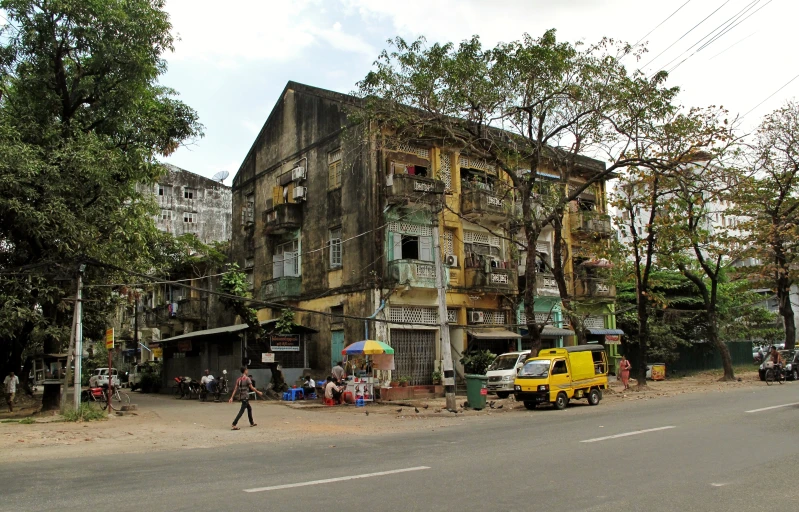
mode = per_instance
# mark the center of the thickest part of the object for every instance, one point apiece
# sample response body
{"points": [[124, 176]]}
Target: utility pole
{"points": [[75, 341], [443, 324]]}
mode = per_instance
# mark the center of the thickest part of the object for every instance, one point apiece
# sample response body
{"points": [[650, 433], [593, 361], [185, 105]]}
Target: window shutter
{"points": [[290, 196], [397, 246], [426, 248], [289, 259], [277, 195], [277, 266]]}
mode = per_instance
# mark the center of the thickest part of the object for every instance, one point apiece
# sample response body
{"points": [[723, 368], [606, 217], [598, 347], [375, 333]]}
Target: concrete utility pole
{"points": [[443, 324], [75, 346]]}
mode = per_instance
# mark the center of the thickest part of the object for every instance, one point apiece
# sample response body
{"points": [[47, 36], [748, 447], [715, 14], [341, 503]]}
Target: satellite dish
{"points": [[221, 176]]}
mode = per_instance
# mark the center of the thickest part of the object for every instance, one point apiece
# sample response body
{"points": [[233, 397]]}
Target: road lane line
{"points": [[773, 407], [339, 479], [626, 434]]}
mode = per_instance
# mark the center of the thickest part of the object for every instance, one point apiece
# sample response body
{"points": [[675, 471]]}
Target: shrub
{"points": [[85, 412], [477, 362]]}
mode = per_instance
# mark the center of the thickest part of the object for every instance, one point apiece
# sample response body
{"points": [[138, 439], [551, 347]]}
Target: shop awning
{"points": [[605, 331], [556, 331], [493, 334], [230, 329]]}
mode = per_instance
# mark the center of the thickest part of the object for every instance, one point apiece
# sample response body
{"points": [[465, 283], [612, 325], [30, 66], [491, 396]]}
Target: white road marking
{"points": [[626, 434], [773, 407], [339, 479]]}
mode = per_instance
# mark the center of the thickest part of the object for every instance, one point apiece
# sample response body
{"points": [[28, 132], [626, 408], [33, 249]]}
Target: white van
{"points": [[502, 372], [100, 377]]}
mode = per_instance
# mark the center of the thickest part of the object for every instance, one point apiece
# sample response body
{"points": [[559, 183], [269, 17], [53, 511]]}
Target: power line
{"points": [[734, 44], [769, 96], [683, 36], [661, 23]]}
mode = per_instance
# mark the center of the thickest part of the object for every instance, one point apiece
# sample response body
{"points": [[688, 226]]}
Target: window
{"points": [[337, 314], [412, 247], [166, 214], [404, 168], [559, 367], [162, 190], [335, 248], [249, 262], [248, 211], [188, 193], [286, 260], [189, 218], [334, 169], [250, 280]]}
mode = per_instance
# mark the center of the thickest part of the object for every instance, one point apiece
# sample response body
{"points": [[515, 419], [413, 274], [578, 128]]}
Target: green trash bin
{"points": [[476, 391]]}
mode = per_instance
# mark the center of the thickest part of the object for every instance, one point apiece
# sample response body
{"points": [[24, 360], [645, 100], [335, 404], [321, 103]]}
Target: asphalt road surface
{"points": [[705, 452]]}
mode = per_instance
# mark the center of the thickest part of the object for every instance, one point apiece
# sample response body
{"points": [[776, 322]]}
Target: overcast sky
{"points": [[232, 63]]}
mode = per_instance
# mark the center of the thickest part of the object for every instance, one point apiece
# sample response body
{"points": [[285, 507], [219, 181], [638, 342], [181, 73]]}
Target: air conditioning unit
{"points": [[299, 193], [451, 260], [298, 173], [477, 317]]}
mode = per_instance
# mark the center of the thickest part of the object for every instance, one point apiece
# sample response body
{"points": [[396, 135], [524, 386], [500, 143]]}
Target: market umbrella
{"points": [[369, 347]]}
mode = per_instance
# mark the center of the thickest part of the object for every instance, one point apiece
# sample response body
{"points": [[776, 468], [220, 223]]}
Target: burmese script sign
{"points": [[285, 343]]}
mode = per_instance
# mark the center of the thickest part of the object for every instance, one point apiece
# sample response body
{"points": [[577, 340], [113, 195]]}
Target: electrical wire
{"points": [[769, 96], [661, 23], [683, 36], [734, 44]]}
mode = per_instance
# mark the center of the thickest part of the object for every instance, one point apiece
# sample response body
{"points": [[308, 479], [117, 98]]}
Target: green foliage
{"points": [[234, 282], [151, 377], [85, 412], [27, 421], [477, 362], [82, 121], [285, 324], [437, 376]]}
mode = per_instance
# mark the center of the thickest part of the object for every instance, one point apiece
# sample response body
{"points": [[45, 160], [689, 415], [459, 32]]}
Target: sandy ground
{"points": [[165, 423]]}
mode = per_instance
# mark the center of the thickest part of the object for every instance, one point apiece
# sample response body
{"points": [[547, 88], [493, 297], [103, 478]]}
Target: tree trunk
{"points": [[786, 311], [643, 339], [715, 340]]}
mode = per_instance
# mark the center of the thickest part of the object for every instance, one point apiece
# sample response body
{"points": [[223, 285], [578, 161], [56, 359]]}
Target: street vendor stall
{"points": [[365, 357]]}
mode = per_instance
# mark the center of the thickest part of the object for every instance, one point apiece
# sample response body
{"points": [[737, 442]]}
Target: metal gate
{"points": [[414, 355]]}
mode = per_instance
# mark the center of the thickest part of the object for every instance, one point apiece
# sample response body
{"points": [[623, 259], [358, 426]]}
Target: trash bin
{"points": [[476, 391]]}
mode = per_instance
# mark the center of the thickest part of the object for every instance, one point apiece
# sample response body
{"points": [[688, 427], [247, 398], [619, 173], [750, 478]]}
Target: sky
{"points": [[231, 64]]}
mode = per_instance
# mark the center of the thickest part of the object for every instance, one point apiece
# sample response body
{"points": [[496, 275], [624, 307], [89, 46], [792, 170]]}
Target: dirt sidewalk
{"points": [[165, 423]]}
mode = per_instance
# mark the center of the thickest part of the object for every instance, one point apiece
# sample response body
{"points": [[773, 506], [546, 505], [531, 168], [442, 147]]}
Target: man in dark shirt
{"points": [[243, 387]]}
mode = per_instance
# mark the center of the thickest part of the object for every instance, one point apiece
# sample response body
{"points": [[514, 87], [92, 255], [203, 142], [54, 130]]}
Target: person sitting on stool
{"points": [[333, 391], [308, 387]]}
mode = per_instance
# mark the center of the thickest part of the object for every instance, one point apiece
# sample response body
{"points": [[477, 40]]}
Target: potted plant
{"points": [[437, 377], [475, 364], [403, 382]]}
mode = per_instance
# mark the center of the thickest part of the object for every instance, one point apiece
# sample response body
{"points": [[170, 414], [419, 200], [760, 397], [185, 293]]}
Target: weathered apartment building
{"points": [[188, 204], [341, 226]]}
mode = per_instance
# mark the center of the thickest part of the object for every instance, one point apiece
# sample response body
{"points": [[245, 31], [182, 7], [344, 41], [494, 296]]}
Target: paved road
{"points": [[700, 452]]}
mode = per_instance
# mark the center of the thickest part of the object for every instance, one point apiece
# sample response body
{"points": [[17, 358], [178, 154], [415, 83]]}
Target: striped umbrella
{"points": [[369, 347]]}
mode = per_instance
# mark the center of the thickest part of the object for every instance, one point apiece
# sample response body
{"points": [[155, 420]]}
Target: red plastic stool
{"points": [[329, 401], [348, 398]]}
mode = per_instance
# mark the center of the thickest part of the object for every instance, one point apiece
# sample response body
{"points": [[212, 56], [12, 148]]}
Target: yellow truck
{"points": [[558, 375]]}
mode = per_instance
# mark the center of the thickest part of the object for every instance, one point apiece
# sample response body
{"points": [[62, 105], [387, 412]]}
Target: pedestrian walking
{"points": [[243, 387], [624, 370], [10, 388]]}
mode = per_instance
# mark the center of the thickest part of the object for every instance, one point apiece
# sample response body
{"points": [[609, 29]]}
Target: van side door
{"points": [[559, 377]]}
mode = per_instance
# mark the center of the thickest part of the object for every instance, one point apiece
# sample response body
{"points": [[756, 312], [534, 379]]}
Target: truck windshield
{"points": [[504, 362], [537, 368]]}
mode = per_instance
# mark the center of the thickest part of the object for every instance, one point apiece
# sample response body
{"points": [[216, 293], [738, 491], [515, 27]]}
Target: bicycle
{"points": [[775, 373], [99, 397]]}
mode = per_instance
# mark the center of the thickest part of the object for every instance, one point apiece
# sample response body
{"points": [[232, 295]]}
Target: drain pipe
{"points": [[372, 316]]}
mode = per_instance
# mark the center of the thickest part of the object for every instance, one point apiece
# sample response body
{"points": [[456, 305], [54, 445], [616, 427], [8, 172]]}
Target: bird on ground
{"points": [[465, 404], [399, 410], [416, 409], [425, 406], [491, 404], [367, 412], [501, 406]]}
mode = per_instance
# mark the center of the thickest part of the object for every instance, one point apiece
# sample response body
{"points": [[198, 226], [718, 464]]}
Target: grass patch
{"points": [[85, 412], [27, 421], [11, 420]]}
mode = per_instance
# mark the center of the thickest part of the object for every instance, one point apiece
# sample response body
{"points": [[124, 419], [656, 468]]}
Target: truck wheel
{"points": [[593, 397], [530, 406], [562, 401], [503, 394]]}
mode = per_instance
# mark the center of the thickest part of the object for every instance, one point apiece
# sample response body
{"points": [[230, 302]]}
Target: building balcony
{"points": [[191, 310], [477, 203], [415, 273], [546, 286], [591, 224], [282, 219], [414, 190], [282, 288], [498, 280], [593, 288], [157, 316]]}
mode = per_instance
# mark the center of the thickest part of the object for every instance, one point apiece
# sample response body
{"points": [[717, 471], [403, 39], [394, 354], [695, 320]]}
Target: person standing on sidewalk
{"points": [[10, 388], [624, 370], [243, 386]]}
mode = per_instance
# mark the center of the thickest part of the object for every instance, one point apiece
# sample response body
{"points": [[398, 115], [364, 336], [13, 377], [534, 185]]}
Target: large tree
{"points": [[533, 107], [771, 199], [82, 121]]}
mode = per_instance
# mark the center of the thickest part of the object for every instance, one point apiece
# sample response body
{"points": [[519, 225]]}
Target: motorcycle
{"points": [[218, 387]]}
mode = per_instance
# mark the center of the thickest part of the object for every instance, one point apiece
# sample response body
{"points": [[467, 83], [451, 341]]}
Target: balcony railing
{"points": [[593, 287], [282, 288], [498, 280], [546, 286], [416, 190], [191, 309], [415, 273], [485, 204], [282, 219], [591, 223]]}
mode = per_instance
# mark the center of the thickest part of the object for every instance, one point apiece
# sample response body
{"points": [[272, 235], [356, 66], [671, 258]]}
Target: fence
{"points": [[702, 356]]}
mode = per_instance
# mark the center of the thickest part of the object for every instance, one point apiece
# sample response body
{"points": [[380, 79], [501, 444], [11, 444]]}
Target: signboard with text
{"points": [[158, 352], [267, 357], [285, 343], [109, 338], [184, 346]]}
